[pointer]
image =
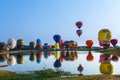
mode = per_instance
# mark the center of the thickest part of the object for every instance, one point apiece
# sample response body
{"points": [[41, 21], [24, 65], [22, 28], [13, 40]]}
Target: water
{"points": [[67, 61]]}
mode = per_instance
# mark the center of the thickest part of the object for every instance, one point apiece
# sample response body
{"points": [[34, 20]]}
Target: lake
{"points": [[64, 60]]}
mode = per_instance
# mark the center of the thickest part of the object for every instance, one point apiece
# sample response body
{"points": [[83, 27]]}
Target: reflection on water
{"points": [[76, 62]]}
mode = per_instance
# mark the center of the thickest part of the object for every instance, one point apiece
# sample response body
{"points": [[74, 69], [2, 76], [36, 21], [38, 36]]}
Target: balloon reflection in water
{"points": [[68, 56], [3, 57], [32, 56], [106, 67], [57, 54], [114, 58], [11, 60], [38, 56], [57, 63], [90, 57], [80, 69], [20, 58]]}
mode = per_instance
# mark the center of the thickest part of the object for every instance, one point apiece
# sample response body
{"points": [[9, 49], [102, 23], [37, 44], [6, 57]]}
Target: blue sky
{"points": [[33, 19]]}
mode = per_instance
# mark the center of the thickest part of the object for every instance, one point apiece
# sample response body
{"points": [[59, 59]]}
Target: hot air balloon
{"points": [[66, 44], [2, 45], [114, 42], [90, 57], [79, 32], [56, 46], [57, 38], [79, 24], [11, 43], [32, 44], [38, 41], [57, 64], [104, 36], [20, 43], [89, 43]]}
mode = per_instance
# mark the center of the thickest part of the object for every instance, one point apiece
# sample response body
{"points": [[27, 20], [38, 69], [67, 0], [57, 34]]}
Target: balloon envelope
{"points": [[114, 42], [79, 24], [104, 36], [38, 41], [79, 32], [20, 43], [89, 43], [11, 43], [32, 44], [57, 38]]}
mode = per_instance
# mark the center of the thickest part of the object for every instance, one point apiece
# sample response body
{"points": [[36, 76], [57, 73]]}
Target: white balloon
{"points": [[11, 60], [11, 43]]}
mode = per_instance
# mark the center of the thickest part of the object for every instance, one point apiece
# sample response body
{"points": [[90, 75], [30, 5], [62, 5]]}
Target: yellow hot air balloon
{"points": [[56, 45], [104, 36], [106, 68]]}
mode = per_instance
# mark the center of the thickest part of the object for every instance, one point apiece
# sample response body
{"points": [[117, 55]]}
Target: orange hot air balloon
{"points": [[90, 57], [89, 43]]}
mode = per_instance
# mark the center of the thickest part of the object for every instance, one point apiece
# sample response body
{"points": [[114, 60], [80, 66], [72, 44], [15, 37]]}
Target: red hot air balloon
{"points": [[89, 43], [114, 42], [106, 46], [79, 24], [79, 32]]}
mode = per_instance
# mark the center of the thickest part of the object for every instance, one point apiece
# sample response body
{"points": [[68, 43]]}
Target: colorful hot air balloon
{"points": [[114, 42], [79, 24], [32, 44], [11, 43], [89, 43], [2, 45], [104, 36], [79, 32], [57, 38], [20, 43], [38, 41]]}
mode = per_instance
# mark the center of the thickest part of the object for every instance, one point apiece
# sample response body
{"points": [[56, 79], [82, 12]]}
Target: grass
{"points": [[50, 74]]}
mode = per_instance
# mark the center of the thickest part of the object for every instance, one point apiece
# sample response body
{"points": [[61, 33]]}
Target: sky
{"points": [[33, 19]]}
